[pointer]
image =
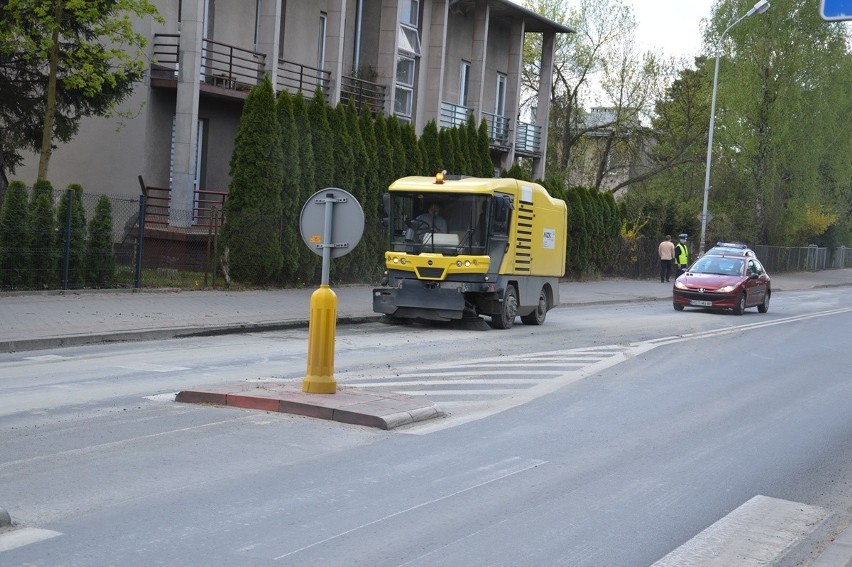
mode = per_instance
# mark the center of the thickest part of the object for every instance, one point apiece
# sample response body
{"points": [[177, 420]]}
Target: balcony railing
{"points": [[528, 139], [498, 129], [301, 78], [453, 115], [235, 69], [231, 67], [363, 92]]}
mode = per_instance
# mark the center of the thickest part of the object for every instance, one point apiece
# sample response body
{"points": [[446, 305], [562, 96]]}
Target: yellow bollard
{"points": [[319, 378]]}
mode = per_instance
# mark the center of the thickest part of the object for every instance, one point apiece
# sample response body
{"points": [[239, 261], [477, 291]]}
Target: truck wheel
{"points": [[509, 309], [540, 312]]}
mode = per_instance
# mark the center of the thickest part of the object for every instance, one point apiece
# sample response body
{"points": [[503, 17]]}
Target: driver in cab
{"points": [[429, 221]]}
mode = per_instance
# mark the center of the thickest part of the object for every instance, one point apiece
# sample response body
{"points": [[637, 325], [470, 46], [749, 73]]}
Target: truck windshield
{"points": [[445, 223]]}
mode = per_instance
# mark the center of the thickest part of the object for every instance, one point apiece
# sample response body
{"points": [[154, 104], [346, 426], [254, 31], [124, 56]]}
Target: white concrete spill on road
{"points": [[24, 536], [756, 533]]}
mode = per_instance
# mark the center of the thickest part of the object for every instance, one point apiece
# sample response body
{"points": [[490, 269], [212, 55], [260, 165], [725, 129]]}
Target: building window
{"points": [[500, 97], [403, 101], [409, 40], [410, 12], [321, 41], [464, 83]]}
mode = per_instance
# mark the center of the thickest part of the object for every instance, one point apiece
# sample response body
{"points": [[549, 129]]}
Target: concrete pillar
{"points": [[335, 37], [478, 64], [513, 86], [268, 37], [186, 113], [386, 59], [542, 116], [430, 80]]}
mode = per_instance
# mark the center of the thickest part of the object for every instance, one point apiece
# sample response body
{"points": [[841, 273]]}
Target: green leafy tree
{"points": [[14, 234], [446, 143], [363, 265], [462, 154], [42, 236], [344, 175], [63, 60], [291, 191], [781, 144], [253, 209], [77, 242], [100, 256]]}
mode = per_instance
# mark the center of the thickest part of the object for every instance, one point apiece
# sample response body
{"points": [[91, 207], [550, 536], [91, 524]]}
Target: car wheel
{"points": [[509, 309], [741, 305], [677, 306], [764, 307], [540, 312]]}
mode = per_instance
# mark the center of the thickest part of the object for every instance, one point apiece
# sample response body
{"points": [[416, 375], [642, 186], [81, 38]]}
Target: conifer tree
{"points": [[42, 236], [310, 264], [292, 199], [374, 233], [323, 141], [398, 156], [77, 247], [362, 266], [484, 153], [344, 175], [100, 257], [460, 144], [14, 234], [430, 149], [448, 151], [472, 138], [412, 150], [252, 226], [384, 153]]}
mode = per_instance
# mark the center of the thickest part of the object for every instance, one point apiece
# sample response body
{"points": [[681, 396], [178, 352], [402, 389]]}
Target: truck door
{"points": [[499, 223]]}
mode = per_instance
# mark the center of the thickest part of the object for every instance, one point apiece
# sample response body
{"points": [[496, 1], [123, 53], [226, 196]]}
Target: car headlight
{"points": [[680, 285], [727, 289]]}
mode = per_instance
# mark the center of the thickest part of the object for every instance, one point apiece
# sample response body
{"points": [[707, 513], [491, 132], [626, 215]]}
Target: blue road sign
{"points": [[835, 10]]}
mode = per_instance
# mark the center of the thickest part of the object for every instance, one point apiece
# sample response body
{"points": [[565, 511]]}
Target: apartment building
{"points": [[419, 60]]}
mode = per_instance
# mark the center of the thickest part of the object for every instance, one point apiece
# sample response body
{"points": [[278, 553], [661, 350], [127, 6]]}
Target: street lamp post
{"points": [[759, 8]]}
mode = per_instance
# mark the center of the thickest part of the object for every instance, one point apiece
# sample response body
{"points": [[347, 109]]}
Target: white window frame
{"points": [[464, 83], [323, 26], [500, 95]]}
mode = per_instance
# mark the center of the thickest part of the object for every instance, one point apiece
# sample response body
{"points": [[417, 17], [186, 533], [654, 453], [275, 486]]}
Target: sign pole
{"points": [[322, 324]]}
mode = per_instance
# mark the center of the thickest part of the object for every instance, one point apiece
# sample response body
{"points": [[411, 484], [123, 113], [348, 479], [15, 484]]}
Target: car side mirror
{"points": [[753, 276]]}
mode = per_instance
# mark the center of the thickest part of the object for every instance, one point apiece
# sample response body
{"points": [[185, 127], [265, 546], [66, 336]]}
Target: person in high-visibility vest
{"points": [[681, 255]]}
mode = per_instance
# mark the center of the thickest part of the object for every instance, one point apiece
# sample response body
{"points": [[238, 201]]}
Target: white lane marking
{"points": [[756, 533], [24, 536], [47, 357], [501, 472], [121, 442], [145, 367]]}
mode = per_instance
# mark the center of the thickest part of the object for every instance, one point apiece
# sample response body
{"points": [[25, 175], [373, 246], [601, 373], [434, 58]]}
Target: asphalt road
{"points": [[613, 435]]}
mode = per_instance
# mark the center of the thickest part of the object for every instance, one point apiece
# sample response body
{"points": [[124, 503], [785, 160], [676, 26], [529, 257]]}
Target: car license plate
{"points": [[700, 303]]}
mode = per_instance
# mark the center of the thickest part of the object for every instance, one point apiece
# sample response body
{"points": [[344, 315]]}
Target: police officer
{"points": [[681, 255]]}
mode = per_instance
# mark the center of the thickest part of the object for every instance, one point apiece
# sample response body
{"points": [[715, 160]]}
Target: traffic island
{"points": [[356, 406]]}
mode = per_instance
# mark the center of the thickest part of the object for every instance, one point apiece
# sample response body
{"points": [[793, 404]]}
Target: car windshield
{"points": [[447, 223], [718, 265]]}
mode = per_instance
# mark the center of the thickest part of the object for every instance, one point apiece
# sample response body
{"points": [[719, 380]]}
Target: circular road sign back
{"points": [[347, 221]]}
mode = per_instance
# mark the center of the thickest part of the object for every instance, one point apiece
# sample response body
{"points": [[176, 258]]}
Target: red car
{"points": [[723, 282]]}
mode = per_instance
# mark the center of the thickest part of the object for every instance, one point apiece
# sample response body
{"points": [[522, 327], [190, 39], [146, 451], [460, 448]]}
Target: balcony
{"points": [[498, 130], [305, 79], [231, 71], [453, 115], [528, 139], [363, 93]]}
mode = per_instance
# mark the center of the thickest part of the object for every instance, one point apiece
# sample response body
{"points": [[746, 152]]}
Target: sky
{"points": [[672, 26]]}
